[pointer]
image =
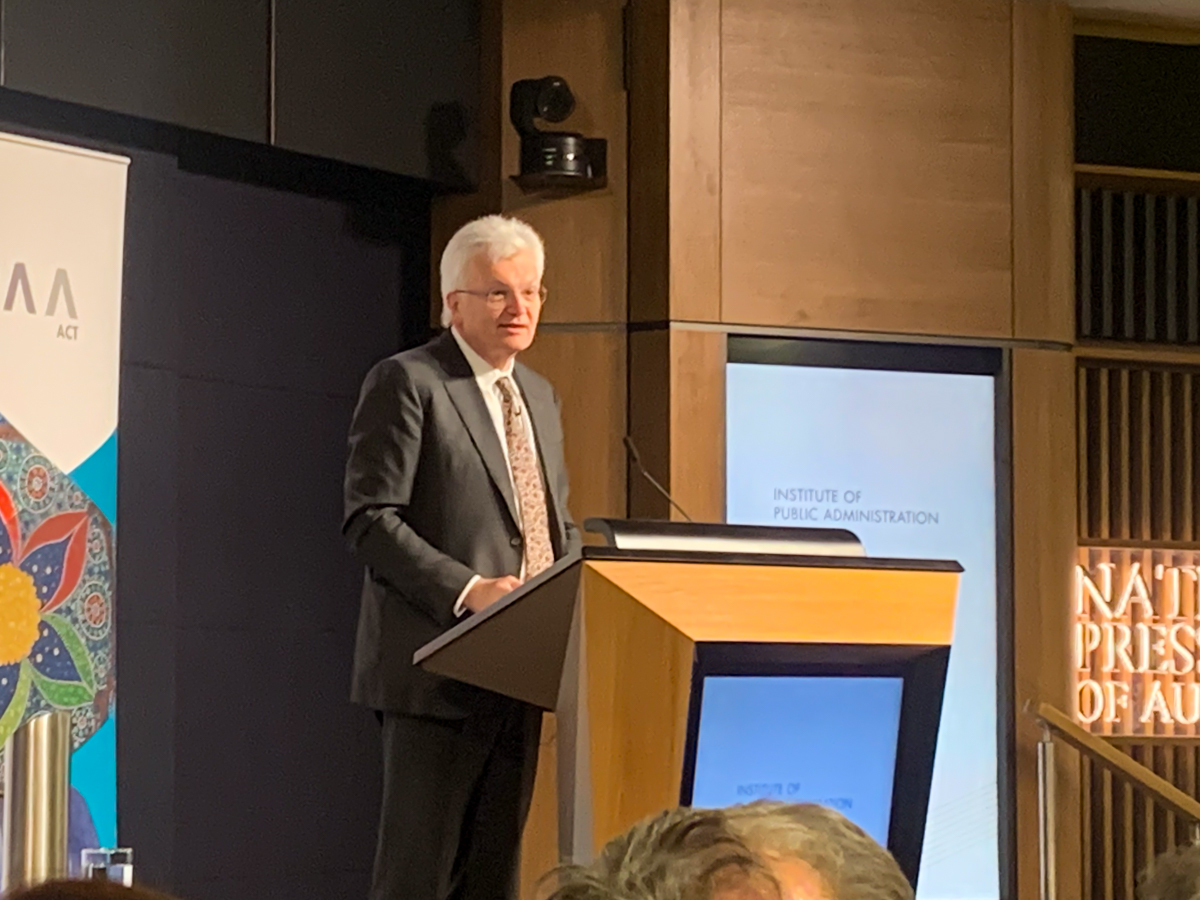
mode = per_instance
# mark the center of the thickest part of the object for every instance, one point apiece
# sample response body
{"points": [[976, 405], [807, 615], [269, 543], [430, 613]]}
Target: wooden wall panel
{"points": [[695, 146], [650, 419], [1043, 171], [649, 67], [698, 423], [866, 165], [585, 234], [677, 419], [675, 136], [1043, 535], [587, 369]]}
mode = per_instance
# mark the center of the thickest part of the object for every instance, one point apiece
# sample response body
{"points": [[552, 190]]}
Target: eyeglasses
{"points": [[498, 298]]}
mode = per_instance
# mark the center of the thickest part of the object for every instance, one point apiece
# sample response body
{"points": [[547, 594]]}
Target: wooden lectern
{"points": [[614, 642]]}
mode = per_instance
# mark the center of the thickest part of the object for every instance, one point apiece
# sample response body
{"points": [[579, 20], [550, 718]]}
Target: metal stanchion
{"points": [[36, 799], [1047, 836]]}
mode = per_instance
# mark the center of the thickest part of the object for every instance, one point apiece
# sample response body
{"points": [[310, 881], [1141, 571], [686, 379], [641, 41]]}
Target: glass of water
{"points": [[108, 864]]}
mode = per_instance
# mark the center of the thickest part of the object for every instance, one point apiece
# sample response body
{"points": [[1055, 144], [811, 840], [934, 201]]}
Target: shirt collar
{"points": [[484, 371]]}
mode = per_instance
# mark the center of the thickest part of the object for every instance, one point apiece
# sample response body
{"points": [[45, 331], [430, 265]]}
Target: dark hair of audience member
{"points": [[84, 890]]}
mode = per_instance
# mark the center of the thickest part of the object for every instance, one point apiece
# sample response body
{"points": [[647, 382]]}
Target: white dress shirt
{"points": [[487, 377]]}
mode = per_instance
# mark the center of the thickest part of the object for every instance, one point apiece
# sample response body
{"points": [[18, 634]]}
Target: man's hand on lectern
{"points": [[487, 591]]}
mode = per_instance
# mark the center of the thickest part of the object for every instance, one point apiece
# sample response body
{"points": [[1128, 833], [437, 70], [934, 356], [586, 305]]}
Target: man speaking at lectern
{"points": [[455, 493]]}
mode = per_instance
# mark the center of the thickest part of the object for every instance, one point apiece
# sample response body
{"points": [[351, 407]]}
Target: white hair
{"points": [[497, 237], [850, 863]]}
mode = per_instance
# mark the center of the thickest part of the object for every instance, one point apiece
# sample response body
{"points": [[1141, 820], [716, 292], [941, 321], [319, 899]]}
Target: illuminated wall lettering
{"points": [[1134, 641]]}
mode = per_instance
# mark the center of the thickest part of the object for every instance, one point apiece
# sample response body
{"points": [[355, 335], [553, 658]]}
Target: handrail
{"points": [[1116, 762]]}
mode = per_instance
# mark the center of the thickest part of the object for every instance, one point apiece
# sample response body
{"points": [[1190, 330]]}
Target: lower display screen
{"points": [[829, 740]]}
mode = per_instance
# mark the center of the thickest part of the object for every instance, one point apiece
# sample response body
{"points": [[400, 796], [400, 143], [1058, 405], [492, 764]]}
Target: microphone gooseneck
{"points": [[636, 459]]}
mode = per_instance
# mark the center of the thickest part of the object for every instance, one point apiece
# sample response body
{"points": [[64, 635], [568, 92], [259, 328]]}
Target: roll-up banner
{"points": [[62, 226]]}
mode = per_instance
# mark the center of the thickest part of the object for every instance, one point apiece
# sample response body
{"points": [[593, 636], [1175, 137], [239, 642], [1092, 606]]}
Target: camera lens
{"points": [[554, 100]]}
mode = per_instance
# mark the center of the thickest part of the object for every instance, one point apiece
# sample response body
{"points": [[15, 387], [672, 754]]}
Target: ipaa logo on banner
{"points": [[60, 292], [62, 225]]}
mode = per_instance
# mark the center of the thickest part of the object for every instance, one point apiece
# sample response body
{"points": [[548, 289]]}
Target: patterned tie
{"points": [[527, 479]]}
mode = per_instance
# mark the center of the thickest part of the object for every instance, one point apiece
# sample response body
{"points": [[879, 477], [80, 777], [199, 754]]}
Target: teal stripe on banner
{"points": [[97, 477]]}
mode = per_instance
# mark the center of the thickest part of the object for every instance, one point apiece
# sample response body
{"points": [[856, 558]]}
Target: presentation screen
{"points": [[829, 740], [906, 461]]}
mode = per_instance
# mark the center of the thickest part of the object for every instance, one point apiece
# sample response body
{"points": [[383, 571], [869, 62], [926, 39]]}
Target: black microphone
{"points": [[636, 459]]}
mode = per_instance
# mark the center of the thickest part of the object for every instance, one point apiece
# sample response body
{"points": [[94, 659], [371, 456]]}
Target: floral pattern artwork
{"points": [[56, 590]]}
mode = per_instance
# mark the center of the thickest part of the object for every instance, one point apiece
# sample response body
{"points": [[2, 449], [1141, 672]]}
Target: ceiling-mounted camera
{"points": [[553, 158]]}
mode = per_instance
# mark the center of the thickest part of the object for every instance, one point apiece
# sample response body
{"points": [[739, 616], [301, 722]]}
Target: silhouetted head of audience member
{"points": [[682, 854], [761, 851], [1175, 875], [84, 890], [816, 853]]}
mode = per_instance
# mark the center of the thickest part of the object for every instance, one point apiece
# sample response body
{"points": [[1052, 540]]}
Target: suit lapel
{"points": [[464, 393]]}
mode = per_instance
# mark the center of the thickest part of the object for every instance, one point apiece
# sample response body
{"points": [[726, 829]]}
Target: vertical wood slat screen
{"points": [[1139, 433], [1139, 428], [1137, 258], [1123, 830]]}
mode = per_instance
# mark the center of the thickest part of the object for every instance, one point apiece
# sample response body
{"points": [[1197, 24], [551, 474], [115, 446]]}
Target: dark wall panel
{"points": [[1137, 104], [279, 291], [148, 514], [392, 85], [250, 317], [148, 559], [199, 64]]}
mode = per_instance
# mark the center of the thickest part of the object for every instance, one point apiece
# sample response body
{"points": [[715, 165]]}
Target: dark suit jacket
{"points": [[429, 503]]}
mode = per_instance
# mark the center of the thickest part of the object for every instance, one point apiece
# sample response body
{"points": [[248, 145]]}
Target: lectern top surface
{"points": [[828, 604]]}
